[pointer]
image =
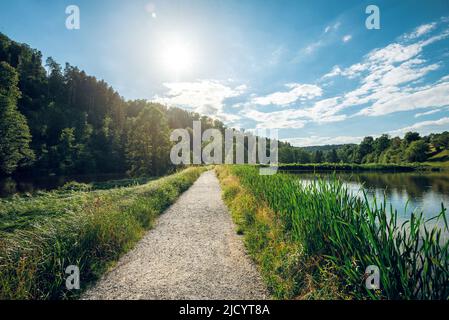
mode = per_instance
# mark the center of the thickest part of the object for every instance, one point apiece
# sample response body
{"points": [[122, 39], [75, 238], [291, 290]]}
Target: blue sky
{"points": [[308, 68]]}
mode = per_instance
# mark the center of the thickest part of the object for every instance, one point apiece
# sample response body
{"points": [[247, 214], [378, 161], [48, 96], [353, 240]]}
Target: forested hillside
{"points": [[384, 149], [61, 120]]}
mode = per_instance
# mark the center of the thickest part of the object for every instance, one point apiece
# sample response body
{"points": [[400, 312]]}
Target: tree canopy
{"points": [[15, 135]]}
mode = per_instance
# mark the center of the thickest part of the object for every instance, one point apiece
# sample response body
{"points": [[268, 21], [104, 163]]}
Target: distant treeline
{"points": [[384, 150]]}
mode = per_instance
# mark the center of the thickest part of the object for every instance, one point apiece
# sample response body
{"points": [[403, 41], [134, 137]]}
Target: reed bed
{"points": [[347, 233]]}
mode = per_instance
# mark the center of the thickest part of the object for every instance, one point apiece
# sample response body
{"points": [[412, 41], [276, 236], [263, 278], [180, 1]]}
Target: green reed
{"points": [[351, 233]]}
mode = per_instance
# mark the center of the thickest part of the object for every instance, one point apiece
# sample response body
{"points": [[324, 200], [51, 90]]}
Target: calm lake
{"points": [[406, 192], [12, 185]]}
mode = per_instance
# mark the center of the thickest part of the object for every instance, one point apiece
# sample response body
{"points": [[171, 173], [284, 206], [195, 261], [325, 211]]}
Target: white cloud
{"points": [[395, 52], [313, 46], [336, 71], [435, 96], [347, 38], [387, 83], [444, 79], [279, 119], [206, 97], [297, 91], [332, 27], [326, 38], [325, 111], [321, 112], [421, 30], [241, 89], [276, 56], [388, 78], [350, 72], [321, 141], [406, 72], [427, 113], [382, 58], [424, 127]]}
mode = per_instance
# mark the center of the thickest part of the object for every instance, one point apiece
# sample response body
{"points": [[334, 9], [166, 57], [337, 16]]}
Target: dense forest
{"points": [[56, 119]]}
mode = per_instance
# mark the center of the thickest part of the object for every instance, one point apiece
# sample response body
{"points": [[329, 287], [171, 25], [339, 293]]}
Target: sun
{"points": [[177, 57]]}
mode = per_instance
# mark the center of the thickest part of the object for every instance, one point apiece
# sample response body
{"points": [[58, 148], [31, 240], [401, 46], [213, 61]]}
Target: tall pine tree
{"points": [[15, 134]]}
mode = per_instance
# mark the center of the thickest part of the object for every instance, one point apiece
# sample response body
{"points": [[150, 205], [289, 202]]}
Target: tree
{"points": [[366, 147], [346, 153], [440, 141], [318, 156], [15, 134], [417, 151], [332, 156], [56, 86], [302, 156], [67, 149], [411, 136], [286, 154], [148, 143], [382, 143]]}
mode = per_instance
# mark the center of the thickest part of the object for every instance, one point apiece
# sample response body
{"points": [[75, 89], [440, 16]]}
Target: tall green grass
{"points": [[347, 233], [40, 236]]}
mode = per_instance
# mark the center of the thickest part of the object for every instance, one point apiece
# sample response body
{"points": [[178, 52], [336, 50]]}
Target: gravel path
{"points": [[192, 253]]}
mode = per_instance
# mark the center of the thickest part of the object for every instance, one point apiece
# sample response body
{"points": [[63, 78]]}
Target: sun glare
{"points": [[177, 57]]}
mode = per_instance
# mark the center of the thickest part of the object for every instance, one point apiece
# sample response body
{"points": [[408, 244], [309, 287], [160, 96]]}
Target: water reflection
{"points": [[406, 192], [30, 184]]}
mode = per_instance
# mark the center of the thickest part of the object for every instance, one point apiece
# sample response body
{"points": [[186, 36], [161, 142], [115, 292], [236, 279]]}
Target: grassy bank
{"points": [[315, 241], [41, 235], [317, 167]]}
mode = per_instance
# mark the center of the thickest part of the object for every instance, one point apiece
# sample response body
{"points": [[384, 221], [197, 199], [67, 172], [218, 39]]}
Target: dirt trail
{"points": [[192, 253]]}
